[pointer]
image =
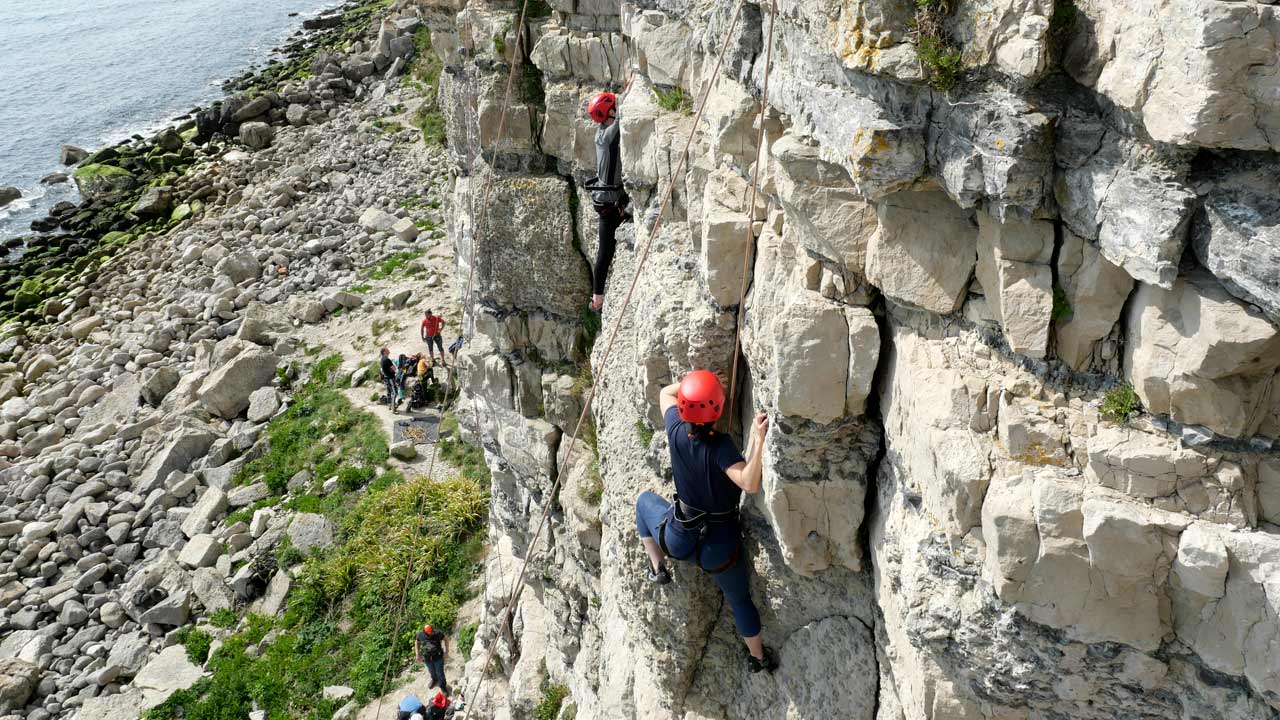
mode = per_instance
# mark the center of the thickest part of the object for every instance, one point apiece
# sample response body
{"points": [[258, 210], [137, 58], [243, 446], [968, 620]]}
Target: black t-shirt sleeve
{"points": [[726, 454], [672, 420]]}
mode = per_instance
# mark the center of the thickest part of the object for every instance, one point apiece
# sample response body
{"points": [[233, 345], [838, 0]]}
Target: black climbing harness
{"points": [[692, 519]]}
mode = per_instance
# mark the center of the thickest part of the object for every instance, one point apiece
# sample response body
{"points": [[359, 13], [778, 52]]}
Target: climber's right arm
{"points": [[746, 475], [667, 399]]}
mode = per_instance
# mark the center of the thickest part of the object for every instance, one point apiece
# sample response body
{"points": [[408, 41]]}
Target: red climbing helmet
{"points": [[601, 105], [700, 398], [426, 629], [440, 700]]}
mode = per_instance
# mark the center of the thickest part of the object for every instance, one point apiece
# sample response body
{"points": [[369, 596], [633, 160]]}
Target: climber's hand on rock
{"points": [[759, 426]]}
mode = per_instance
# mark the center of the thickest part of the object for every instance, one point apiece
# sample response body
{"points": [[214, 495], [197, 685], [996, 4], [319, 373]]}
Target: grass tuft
{"points": [[674, 100], [1119, 403]]}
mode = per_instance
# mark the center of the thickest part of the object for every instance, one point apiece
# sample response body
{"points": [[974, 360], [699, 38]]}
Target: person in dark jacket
{"points": [[608, 197], [430, 646], [701, 526], [389, 378]]}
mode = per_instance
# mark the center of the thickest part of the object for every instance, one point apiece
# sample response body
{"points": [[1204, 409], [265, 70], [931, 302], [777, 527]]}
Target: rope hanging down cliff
{"points": [[608, 351], [457, 384]]}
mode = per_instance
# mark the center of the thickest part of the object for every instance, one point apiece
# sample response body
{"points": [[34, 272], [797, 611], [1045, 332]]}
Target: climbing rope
{"points": [[751, 218], [456, 389], [608, 352]]}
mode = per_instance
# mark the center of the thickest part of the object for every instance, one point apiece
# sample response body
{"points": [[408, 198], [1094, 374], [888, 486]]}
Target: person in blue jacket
{"points": [[408, 707], [701, 525]]}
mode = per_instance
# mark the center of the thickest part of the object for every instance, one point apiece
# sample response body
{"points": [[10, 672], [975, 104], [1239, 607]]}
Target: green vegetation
{"points": [[1062, 310], [360, 289], [675, 100], [534, 93], [223, 618], [320, 432], [552, 697], [245, 514], [1119, 403], [197, 642], [397, 264], [935, 46], [467, 640], [644, 432], [538, 9], [340, 624], [591, 491], [468, 458]]}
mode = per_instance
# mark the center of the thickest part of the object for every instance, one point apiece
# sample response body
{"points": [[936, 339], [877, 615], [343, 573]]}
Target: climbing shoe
{"points": [[661, 577], [768, 664]]}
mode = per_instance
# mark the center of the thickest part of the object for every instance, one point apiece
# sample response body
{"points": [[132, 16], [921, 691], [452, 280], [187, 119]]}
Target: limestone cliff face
{"points": [[942, 288]]}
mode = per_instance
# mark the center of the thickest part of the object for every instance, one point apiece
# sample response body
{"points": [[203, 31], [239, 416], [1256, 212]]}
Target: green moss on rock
{"points": [[100, 182]]}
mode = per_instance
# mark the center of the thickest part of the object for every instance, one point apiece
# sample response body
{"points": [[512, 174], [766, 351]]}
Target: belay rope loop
{"points": [[608, 351]]}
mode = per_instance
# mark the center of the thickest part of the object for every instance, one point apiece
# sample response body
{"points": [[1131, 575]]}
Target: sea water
{"points": [[93, 72]]}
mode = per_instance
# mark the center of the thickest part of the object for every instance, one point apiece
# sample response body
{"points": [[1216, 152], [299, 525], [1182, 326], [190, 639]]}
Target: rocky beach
{"points": [[210, 283]]}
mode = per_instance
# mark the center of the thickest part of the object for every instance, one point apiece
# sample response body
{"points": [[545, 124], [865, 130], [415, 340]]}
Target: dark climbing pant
{"points": [[436, 668], [392, 390], [610, 220], [719, 546]]}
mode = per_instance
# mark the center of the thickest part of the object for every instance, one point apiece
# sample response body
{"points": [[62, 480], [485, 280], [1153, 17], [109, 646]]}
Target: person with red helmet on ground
{"points": [[608, 197], [439, 707], [701, 526]]}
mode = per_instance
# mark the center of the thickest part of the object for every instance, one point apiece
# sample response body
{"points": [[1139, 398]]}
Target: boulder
{"points": [[1201, 356], [200, 551], [251, 109], [405, 229], [239, 267], [211, 590], [296, 115], [158, 384], [273, 601], [71, 155], [1201, 565], [247, 495], [129, 653], [105, 183], [211, 506], [306, 309], [923, 253], [81, 329], [311, 531], [18, 680], [376, 220], [156, 201], [263, 404], [226, 392], [257, 135], [404, 450], [185, 444], [8, 194], [167, 673]]}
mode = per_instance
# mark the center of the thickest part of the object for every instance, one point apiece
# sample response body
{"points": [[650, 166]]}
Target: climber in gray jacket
{"points": [[607, 194]]}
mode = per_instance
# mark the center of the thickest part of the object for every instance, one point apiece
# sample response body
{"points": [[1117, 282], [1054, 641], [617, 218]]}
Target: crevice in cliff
{"points": [[875, 413]]}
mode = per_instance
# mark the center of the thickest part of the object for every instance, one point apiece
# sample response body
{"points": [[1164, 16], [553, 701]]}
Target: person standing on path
{"points": [[431, 646], [432, 325], [389, 378], [608, 197]]}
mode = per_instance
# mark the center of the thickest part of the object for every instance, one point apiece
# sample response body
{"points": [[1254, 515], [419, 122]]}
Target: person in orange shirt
{"points": [[432, 325]]}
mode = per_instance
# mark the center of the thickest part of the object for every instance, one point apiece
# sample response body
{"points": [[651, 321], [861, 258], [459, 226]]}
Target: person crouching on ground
{"points": [[701, 526]]}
